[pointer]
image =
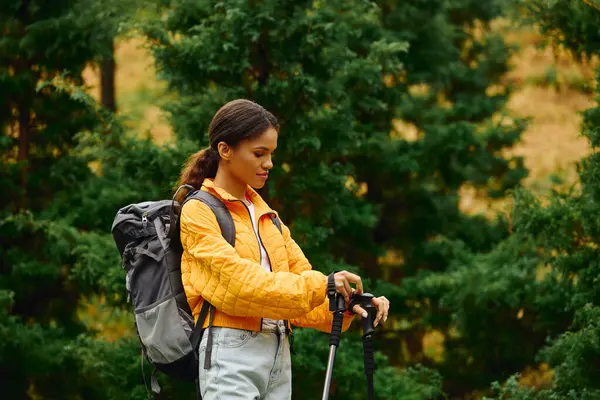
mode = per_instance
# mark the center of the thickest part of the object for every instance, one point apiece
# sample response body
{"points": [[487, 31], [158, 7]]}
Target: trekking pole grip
{"points": [[338, 320], [337, 306], [365, 300]]}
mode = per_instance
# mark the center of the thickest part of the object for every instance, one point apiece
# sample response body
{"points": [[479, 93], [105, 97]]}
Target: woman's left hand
{"points": [[381, 304]]}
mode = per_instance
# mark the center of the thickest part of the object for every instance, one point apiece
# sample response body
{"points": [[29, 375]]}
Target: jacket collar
{"points": [[259, 204]]}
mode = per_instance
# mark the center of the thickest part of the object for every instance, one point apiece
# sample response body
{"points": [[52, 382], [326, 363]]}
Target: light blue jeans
{"points": [[246, 365]]}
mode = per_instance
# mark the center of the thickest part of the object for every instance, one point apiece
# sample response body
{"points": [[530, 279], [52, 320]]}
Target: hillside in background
{"points": [[551, 88]]}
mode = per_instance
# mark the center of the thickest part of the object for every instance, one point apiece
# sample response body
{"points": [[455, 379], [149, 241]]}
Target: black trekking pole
{"points": [[365, 301], [337, 306]]}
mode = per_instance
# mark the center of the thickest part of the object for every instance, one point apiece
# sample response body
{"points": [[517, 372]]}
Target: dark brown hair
{"points": [[236, 121]]}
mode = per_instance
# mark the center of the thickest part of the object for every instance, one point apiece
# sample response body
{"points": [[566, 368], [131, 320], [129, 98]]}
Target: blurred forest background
{"points": [[443, 149]]}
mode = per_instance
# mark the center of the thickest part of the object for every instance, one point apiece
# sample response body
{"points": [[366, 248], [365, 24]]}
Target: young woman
{"points": [[262, 284]]}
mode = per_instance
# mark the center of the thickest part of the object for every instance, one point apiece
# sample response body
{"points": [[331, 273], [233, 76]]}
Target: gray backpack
{"points": [[147, 236]]}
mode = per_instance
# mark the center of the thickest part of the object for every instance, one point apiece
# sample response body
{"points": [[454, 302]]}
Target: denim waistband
{"points": [[270, 326]]}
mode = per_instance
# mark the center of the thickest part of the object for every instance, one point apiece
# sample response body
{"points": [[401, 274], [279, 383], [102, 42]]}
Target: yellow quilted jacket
{"points": [[234, 281]]}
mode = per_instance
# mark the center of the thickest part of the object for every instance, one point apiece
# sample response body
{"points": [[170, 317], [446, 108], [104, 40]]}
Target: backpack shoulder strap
{"points": [[196, 335], [228, 231], [276, 221], [221, 212]]}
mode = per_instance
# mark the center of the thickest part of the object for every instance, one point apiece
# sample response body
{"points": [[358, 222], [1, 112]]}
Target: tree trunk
{"points": [[23, 108], [107, 79], [24, 139]]}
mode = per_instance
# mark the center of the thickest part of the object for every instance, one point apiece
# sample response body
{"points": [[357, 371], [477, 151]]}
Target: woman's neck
{"points": [[231, 185]]}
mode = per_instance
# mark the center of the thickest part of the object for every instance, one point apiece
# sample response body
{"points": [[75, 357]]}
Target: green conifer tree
{"points": [[349, 182]]}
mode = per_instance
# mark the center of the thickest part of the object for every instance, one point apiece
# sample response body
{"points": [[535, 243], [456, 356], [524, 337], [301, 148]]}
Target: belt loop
{"points": [[285, 326], [281, 327]]}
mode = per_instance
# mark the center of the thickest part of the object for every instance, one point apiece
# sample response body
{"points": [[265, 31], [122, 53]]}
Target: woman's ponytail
{"points": [[199, 166]]}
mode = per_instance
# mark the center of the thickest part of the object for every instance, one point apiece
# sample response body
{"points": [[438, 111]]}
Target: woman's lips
{"points": [[264, 176]]}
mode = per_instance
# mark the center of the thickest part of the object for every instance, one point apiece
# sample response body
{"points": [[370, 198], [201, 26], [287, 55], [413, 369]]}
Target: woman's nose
{"points": [[268, 164]]}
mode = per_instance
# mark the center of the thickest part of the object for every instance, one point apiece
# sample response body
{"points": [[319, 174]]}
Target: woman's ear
{"points": [[225, 151]]}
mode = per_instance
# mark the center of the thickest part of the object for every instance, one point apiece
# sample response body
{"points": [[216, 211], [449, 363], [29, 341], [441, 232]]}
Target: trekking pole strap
{"points": [[369, 360], [365, 300]]}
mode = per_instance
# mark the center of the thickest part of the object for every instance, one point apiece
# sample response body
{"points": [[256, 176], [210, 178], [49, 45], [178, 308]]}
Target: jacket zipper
{"points": [[258, 240], [260, 243], [257, 234], [287, 329]]}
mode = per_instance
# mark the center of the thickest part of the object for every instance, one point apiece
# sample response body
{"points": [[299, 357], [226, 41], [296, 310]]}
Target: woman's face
{"points": [[251, 160]]}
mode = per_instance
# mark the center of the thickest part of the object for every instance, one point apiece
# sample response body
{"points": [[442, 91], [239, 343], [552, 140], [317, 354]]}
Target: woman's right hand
{"points": [[343, 279]]}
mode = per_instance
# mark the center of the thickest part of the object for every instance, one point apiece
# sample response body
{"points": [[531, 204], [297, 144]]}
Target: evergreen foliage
{"points": [[387, 109]]}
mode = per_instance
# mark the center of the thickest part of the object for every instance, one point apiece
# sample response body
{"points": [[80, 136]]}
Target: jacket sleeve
{"points": [[238, 286], [319, 318]]}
